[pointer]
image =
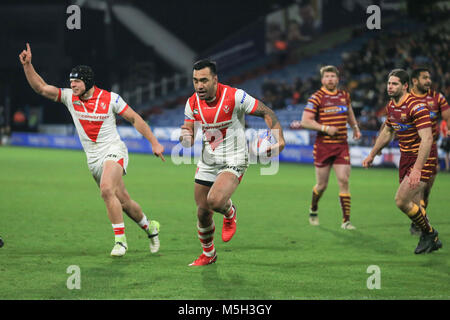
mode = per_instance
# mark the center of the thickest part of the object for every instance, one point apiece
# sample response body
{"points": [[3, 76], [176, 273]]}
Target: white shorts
{"points": [[206, 174], [117, 152]]}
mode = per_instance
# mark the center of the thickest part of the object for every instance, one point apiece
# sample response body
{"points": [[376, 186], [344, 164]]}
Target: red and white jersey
{"points": [[223, 124], [94, 118]]}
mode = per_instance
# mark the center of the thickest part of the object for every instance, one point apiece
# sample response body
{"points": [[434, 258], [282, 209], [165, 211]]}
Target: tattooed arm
{"points": [[273, 124]]}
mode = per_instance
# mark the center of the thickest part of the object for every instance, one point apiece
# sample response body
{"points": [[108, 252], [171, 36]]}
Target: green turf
{"points": [[52, 216]]}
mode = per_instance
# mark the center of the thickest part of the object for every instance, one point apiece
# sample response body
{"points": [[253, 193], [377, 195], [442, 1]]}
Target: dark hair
{"points": [[415, 74], [206, 63], [401, 74]]}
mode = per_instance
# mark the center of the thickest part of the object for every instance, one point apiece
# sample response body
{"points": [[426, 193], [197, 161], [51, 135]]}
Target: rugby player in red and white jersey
{"points": [[439, 108], [220, 109], [409, 119], [93, 111]]}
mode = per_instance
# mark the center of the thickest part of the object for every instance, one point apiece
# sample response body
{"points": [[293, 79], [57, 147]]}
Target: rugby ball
{"points": [[263, 142]]}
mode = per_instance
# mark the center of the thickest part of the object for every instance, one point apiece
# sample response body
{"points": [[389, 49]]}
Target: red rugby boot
{"points": [[229, 226], [204, 260]]}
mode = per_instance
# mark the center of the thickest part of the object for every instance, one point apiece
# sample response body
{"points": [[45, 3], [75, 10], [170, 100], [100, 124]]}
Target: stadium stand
{"points": [[363, 62]]}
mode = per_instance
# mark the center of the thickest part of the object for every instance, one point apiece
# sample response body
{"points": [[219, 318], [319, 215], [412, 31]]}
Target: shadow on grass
{"points": [[362, 241], [224, 284]]}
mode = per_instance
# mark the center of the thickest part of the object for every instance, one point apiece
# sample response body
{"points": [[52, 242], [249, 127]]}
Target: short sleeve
{"points": [[349, 100], [245, 102], [118, 104], [188, 113], [420, 116], [312, 104], [387, 122], [443, 104], [65, 96]]}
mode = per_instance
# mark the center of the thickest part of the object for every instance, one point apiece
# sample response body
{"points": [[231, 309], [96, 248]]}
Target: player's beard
{"points": [[396, 95], [206, 96], [423, 88], [331, 86], [209, 95]]}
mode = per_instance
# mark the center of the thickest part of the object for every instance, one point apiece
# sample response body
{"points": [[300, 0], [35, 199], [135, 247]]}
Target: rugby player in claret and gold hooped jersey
{"points": [[328, 111], [409, 119], [439, 108]]}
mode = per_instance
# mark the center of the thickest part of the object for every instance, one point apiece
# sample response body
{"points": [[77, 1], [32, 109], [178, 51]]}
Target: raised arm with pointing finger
{"points": [[36, 82]]}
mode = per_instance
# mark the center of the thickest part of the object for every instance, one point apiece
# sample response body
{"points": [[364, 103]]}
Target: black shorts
{"points": [[445, 144]]}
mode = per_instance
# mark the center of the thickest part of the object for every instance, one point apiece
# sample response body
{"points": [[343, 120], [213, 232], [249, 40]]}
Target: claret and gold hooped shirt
{"points": [[408, 117], [330, 109]]}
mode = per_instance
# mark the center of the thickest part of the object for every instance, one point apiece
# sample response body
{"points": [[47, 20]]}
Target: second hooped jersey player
{"points": [[406, 118], [223, 125], [437, 104]]}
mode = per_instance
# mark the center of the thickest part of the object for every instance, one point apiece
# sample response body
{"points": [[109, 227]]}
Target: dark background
{"points": [[114, 52]]}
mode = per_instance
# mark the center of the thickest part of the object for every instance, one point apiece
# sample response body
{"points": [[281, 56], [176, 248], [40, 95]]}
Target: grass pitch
{"points": [[52, 217]]}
